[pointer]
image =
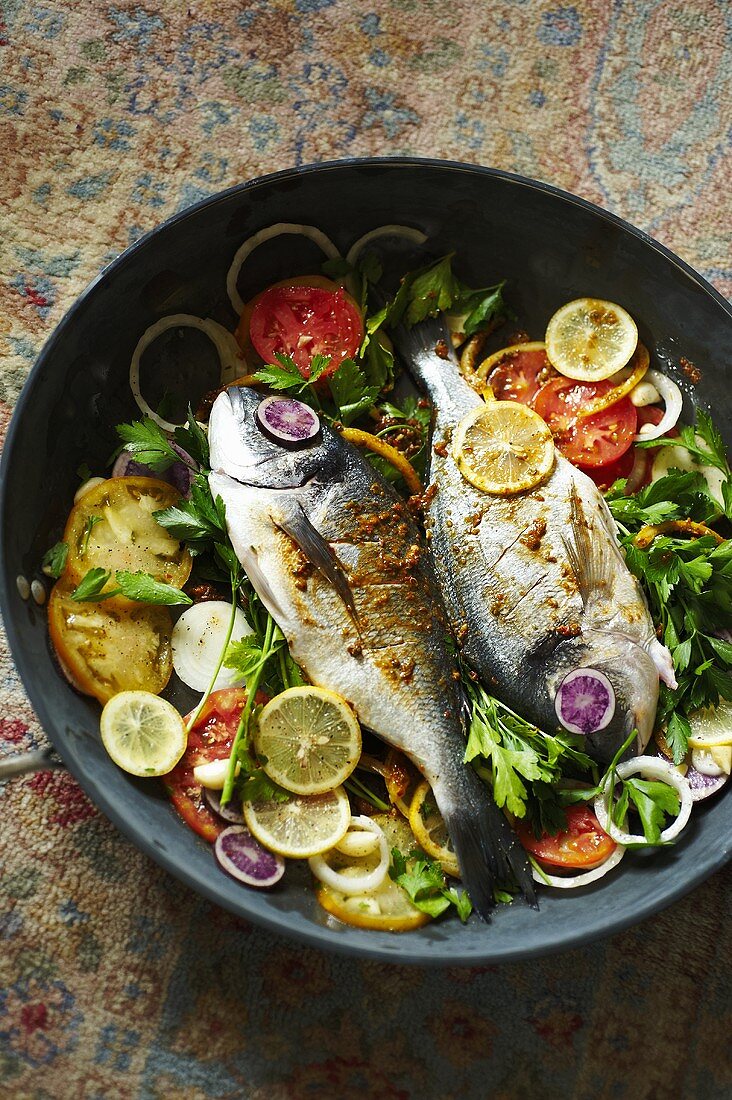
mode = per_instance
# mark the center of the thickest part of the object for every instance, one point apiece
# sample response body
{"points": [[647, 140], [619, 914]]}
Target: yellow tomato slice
{"points": [[113, 527], [111, 646]]}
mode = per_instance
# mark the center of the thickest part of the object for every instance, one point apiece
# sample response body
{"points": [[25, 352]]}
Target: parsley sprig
{"points": [[520, 761], [652, 800], [688, 582], [348, 396], [424, 881], [436, 289], [140, 587]]}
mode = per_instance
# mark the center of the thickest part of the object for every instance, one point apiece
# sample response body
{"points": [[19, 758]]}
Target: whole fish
{"points": [[535, 585], [337, 559]]}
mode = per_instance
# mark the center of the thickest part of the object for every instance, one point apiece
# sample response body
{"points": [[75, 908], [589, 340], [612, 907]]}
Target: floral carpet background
{"points": [[115, 980]]}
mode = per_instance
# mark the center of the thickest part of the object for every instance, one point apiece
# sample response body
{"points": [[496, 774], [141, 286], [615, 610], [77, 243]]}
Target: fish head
{"points": [[634, 680], [241, 449]]}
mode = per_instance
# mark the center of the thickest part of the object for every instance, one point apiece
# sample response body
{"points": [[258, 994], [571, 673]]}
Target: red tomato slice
{"points": [[210, 739], [589, 440], [304, 321], [583, 844], [605, 476], [520, 375]]}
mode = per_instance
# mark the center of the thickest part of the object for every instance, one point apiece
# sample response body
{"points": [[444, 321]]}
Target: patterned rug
{"points": [[116, 981]]}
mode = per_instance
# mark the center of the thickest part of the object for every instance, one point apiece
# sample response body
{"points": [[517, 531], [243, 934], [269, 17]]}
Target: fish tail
{"points": [[489, 854]]}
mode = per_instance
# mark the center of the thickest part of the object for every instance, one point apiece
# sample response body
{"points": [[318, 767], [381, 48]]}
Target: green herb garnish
{"points": [[424, 881]]}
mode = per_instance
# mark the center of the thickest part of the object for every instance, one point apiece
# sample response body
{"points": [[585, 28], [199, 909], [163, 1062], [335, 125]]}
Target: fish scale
{"points": [[535, 585], [339, 562]]}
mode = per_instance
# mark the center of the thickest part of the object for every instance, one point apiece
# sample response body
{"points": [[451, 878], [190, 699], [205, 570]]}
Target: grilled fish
{"points": [[337, 559], [535, 585]]}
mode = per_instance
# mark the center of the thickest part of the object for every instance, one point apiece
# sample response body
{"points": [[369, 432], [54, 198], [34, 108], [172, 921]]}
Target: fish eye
{"points": [[289, 422]]}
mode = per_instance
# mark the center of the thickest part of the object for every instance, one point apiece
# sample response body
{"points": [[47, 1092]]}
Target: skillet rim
{"points": [[316, 935]]}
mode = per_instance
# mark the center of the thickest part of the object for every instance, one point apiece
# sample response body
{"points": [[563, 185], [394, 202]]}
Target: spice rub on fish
{"points": [[535, 585], [338, 561]]}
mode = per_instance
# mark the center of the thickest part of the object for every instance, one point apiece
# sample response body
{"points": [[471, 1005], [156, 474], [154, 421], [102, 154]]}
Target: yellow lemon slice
{"points": [[308, 739], [503, 447], [590, 339], [143, 733], [429, 829], [711, 727], [388, 907], [302, 826]]}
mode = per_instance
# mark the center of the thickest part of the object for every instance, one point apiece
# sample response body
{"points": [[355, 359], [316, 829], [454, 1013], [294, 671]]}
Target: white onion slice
{"points": [[226, 346], [570, 882], [197, 640], [705, 764], [355, 884], [278, 230], [86, 487], [653, 767], [416, 236], [673, 401], [638, 472]]}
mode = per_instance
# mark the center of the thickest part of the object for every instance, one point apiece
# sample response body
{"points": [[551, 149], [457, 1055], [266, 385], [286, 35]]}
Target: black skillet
{"points": [[552, 247]]}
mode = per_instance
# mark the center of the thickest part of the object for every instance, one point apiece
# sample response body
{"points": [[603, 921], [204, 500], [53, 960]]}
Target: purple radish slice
{"points": [[229, 812], [585, 701], [702, 786], [245, 859], [178, 475], [287, 421]]}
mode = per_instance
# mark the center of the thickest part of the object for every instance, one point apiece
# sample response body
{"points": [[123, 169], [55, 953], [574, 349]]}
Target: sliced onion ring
{"points": [[278, 230], [654, 768], [673, 401], [288, 421], [638, 472], [570, 882], [416, 236], [224, 342], [355, 884]]}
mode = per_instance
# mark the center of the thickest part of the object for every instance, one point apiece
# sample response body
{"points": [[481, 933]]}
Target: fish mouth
{"points": [[243, 473]]}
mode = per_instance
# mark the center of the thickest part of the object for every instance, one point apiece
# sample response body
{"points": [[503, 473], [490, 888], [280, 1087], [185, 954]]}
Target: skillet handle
{"points": [[38, 761]]}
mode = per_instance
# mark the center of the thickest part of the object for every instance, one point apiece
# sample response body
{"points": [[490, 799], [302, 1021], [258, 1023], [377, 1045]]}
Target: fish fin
{"points": [[261, 585], [318, 552], [594, 560], [488, 852]]}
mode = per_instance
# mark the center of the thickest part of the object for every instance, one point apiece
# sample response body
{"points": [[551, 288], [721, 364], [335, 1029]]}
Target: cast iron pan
{"points": [[552, 247]]}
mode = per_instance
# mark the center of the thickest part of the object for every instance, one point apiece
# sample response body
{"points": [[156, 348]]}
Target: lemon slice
{"points": [[711, 727], [308, 739], [590, 339], [302, 826], [503, 447], [388, 907], [429, 829], [143, 733]]}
